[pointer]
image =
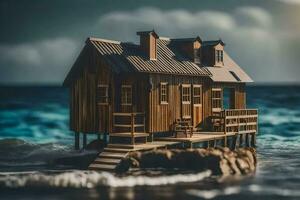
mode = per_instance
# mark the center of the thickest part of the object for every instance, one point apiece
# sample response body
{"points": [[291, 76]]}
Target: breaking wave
{"points": [[92, 179]]}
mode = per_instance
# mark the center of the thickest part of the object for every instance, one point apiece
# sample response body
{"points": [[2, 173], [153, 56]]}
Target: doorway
{"points": [[197, 106], [228, 98]]}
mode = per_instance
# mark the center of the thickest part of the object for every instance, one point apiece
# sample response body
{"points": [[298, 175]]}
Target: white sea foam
{"points": [[253, 189], [91, 179], [210, 194]]}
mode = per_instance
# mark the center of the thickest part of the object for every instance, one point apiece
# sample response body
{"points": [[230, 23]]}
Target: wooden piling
{"points": [[253, 140], [225, 141], [241, 140], [77, 140], [233, 142], [84, 141], [247, 140]]}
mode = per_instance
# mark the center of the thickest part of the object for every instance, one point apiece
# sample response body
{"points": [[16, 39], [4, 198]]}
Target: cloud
{"points": [[40, 61], [253, 16], [248, 32], [292, 2]]}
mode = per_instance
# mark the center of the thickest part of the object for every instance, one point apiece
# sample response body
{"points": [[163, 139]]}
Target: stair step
{"points": [[112, 155], [104, 167], [107, 160], [128, 134], [121, 146], [121, 150]]}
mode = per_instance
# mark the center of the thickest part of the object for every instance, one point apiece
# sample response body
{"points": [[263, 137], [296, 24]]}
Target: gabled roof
{"points": [[187, 39], [230, 72], [213, 42], [128, 57]]}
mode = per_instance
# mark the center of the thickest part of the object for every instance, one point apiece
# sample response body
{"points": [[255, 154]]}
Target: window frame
{"points": [[106, 97], [164, 97], [126, 97], [217, 98], [219, 56], [188, 95], [198, 95]]}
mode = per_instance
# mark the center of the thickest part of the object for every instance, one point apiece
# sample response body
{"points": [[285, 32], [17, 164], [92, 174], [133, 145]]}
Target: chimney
{"points": [[148, 43], [197, 50]]}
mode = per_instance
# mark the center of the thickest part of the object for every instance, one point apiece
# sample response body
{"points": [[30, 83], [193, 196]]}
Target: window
{"points": [[163, 93], [126, 95], [186, 94], [102, 94], [197, 94], [219, 56], [216, 99]]}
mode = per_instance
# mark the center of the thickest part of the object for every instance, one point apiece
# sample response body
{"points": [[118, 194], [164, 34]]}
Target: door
{"points": [[197, 105], [102, 98], [186, 101]]}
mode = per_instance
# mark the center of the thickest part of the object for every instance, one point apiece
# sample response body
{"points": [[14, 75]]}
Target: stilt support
{"points": [[247, 140], [253, 140], [225, 141], [84, 141], [241, 140], [233, 142], [77, 138]]}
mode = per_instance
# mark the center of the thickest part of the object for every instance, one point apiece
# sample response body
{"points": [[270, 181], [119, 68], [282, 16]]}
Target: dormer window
{"points": [[219, 56]]}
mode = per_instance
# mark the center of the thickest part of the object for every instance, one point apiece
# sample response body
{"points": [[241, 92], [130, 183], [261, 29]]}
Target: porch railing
{"points": [[238, 121], [129, 121]]}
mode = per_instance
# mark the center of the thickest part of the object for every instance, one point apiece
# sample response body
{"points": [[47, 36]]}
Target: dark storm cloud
{"points": [[39, 40]]}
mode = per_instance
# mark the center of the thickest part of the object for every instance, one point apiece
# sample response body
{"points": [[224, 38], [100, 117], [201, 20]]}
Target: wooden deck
{"points": [[211, 136]]}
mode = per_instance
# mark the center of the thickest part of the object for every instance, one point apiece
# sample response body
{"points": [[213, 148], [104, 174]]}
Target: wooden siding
{"points": [[162, 116], [85, 114], [82, 107]]}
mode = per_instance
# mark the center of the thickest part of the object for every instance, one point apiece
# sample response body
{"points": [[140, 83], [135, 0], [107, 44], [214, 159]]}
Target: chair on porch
{"points": [[183, 126]]}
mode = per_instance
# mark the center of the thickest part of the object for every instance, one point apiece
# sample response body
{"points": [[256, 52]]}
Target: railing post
{"points": [[132, 128], [144, 122], [224, 118]]}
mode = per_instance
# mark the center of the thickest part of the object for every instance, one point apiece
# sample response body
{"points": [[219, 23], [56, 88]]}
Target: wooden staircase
{"points": [[109, 159]]}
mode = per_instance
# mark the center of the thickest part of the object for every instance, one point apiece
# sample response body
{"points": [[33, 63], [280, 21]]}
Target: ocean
{"points": [[38, 161]]}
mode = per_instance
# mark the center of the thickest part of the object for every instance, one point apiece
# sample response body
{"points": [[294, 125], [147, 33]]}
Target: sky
{"points": [[40, 40]]}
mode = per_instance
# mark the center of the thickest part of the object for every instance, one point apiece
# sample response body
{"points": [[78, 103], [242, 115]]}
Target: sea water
{"points": [[38, 161]]}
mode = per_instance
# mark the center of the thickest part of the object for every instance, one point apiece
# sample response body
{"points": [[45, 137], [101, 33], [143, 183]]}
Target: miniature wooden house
{"points": [[156, 88]]}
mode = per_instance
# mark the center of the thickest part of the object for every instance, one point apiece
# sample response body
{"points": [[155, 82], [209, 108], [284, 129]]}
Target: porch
{"points": [[240, 126], [128, 127]]}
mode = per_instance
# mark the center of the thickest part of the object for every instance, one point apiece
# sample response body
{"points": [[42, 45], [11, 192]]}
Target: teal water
{"points": [[34, 136]]}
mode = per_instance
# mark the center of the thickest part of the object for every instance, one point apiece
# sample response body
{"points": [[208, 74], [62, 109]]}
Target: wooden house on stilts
{"points": [[157, 93]]}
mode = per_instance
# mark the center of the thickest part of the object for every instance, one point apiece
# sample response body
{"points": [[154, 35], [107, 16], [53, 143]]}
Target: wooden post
{"points": [[144, 121], [253, 140], [225, 141], [77, 140], [247, 140], [132, 128], [214, 143], [241, 140], [233, 142], [84, 142]]}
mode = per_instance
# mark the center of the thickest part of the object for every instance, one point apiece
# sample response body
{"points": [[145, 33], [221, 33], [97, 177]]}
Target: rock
{"points": [[96, 145], [218, 160]]}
